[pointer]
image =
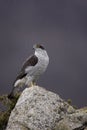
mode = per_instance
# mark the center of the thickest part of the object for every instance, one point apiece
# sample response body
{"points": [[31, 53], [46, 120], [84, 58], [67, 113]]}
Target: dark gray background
{"points": [[61, 25]]}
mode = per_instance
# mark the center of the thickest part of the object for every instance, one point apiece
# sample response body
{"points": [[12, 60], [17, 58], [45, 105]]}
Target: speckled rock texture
{"points": [[39, 109]]}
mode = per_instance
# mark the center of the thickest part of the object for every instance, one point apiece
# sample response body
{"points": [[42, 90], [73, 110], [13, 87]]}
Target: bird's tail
{"points": [[15, 93], [12, 94], [17, 86]]}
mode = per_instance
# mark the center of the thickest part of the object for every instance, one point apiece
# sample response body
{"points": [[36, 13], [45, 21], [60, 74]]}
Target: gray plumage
{"points": [[34, 66]]}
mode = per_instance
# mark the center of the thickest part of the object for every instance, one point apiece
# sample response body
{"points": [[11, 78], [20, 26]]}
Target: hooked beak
{"points": [[34, 46]]}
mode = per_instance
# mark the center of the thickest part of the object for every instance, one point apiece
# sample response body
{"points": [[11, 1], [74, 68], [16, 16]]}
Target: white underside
{"points": [[19, 82]]}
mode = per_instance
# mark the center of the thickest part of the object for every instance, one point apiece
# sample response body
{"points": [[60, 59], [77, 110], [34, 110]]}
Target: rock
{"points": [[75, 121], [39, 109]]}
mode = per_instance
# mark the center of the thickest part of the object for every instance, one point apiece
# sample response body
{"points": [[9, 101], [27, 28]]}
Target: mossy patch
{"points": [[62, 126], [9, 104]]}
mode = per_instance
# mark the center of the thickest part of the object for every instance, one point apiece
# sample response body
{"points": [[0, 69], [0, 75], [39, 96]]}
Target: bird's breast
{"points": [[42, 64], [40, 67]]}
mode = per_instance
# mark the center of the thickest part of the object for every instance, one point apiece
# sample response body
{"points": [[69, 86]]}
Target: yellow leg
{"points": [[31, 84], [34, 84]]}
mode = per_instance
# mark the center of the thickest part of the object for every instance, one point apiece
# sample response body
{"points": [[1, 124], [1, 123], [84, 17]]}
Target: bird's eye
{"points": [[41, 47]]}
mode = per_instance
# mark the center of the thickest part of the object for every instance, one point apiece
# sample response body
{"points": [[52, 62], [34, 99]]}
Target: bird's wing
{"points": [[31, 61]]}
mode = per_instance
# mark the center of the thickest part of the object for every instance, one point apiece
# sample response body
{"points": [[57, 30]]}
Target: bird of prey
{"points": [[32, 68]]}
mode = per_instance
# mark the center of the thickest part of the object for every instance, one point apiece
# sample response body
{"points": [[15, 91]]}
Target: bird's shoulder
{"points": [[31, 61]]}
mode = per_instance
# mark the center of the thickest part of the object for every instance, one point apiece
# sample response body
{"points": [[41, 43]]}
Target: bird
{"points": [[32, 68]]}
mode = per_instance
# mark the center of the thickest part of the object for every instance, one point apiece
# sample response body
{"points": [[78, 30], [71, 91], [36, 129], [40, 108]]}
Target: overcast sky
{"points": [[61, 26]]}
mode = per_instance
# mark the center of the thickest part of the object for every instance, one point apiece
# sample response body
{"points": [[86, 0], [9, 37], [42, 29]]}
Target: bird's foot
{"points": [[32, 84]]}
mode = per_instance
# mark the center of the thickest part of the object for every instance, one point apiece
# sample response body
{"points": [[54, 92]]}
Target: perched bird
{"points": [[34, 66]]}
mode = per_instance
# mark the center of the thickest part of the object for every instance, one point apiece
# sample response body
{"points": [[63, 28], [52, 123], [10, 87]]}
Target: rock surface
{"points": [[39, 109]]}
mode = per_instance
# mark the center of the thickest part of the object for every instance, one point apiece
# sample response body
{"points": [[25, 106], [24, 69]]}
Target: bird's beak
{"points": [[34, 47]]}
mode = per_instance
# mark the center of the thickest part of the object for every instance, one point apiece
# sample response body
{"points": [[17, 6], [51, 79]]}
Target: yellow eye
{"points": [[37, 46]]}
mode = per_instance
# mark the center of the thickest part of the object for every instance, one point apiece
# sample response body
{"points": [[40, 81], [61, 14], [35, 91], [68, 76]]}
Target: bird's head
{"points": [[38, 47], [40, 51]]}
